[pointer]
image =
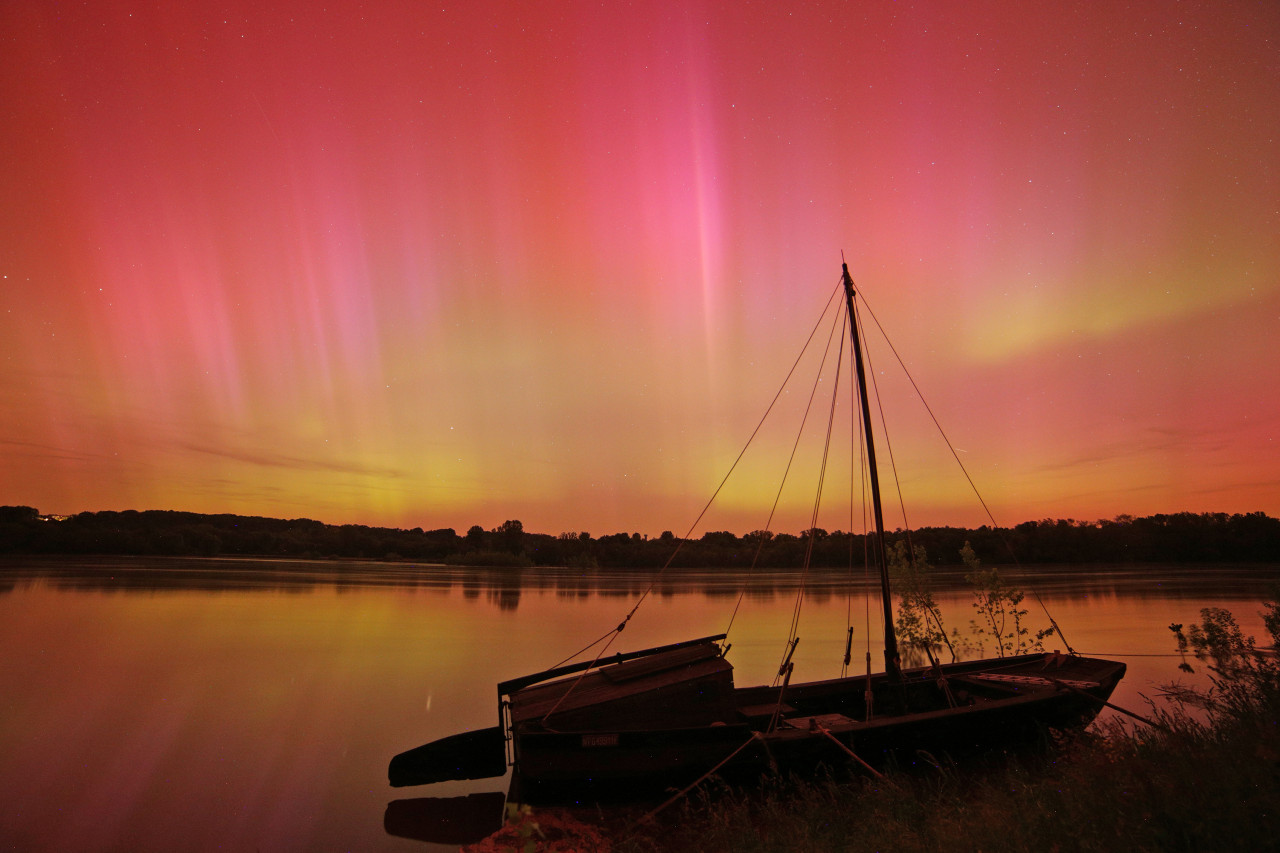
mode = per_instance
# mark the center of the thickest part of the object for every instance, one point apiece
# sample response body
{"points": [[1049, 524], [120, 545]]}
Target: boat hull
{"points": [[985, 706]]}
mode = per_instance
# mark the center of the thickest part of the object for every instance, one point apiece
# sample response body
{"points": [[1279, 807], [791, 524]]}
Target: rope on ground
{"points": [[1111, 705], [683, 791], [854, 756]]}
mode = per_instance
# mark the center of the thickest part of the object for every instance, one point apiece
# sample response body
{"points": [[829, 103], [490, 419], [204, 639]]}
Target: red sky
{"points": [[406, 265]]}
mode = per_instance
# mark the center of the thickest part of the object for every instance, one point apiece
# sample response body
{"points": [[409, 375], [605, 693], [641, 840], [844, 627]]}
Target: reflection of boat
{"points": [[445, 820], [670, 715]]}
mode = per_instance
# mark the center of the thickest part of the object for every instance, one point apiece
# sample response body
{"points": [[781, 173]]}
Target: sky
{"points": [[409, 264]]}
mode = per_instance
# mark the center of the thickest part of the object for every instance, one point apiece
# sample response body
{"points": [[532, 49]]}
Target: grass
{"points": [[1203, 781], [1194, 788]]}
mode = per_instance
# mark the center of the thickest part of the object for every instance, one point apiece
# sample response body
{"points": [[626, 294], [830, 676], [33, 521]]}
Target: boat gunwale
{"points": [[512, 685], [1009, 696], [956, 669]]}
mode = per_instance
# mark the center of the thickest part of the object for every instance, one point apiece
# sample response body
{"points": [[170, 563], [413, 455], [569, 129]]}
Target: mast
{"points": [[891, 665]]}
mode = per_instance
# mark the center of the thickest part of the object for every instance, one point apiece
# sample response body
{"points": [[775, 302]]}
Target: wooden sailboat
{"points": [[670, 715]]}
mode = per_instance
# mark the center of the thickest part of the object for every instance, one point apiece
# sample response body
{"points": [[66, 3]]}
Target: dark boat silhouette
{"points": [[668, 716]]}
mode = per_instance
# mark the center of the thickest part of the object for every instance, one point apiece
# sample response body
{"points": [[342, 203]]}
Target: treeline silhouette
{"points": [[1176, 538]]}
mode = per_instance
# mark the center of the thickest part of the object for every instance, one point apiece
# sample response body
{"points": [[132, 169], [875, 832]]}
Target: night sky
{"points": [[408, 264]]}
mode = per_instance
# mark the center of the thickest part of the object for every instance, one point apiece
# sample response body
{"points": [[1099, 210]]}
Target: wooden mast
{"points": [[892, 666]]}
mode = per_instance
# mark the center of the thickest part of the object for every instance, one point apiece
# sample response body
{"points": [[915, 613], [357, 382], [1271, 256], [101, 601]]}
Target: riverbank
{"points": [[1186, 790], [1204, 775]]}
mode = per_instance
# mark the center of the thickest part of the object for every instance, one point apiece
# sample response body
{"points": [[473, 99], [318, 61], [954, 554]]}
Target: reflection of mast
{"points": [[891, 665]]}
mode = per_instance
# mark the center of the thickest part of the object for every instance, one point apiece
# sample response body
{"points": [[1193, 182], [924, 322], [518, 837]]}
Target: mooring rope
{"points": [[849, 752], [822, 473], [1111, 705], [678, 795]]}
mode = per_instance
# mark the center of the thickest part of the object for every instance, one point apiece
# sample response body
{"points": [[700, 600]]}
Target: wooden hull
{"points": [[645, 722], [994, 705]]}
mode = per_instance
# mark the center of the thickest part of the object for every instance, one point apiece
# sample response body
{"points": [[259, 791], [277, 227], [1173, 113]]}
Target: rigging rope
{"points": [[866, 541], [931, 611], [728, 473], [848, 601], [817, 501], [777, 498], [995, 526], [612, 635]]}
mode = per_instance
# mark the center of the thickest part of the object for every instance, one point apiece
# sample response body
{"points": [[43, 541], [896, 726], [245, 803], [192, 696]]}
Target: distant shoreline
{"points": [[1206, 538]]}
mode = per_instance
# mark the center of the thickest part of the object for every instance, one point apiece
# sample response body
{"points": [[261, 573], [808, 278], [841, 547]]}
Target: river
{"points": [[203, 704]]}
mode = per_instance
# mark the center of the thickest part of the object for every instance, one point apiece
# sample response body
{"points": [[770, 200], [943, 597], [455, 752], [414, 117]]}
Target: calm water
{"points": [[212, 704]]}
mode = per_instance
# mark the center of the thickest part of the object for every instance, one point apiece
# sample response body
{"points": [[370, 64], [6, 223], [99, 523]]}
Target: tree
{"points": [[511, 535], [919, 623], [18, 514], [1000, 615]]}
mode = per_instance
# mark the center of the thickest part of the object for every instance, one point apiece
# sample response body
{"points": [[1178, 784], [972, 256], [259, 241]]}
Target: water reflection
{"points": [[446, 820], [255, 705], [504, 587]]}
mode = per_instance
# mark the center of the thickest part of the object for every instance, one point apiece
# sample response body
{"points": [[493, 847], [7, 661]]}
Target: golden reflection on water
{"points": [[148, 707]]}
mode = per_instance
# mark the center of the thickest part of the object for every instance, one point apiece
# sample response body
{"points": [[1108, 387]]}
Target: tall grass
{"points": [[1205, 781], [1192, 788]]}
